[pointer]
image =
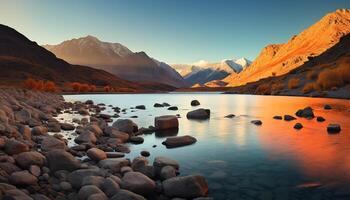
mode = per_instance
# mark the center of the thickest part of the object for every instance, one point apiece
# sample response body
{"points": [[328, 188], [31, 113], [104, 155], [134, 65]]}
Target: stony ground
{"points": [[36, 162]]}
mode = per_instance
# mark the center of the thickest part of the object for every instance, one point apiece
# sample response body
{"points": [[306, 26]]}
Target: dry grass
{"points": [[293, 83], [263, 89], [309, 87]]}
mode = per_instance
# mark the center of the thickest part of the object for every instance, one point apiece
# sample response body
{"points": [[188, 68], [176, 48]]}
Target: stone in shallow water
{"points": [[166, 122], [199, 114], [138, 183], [277, 117], [320, 119], [179, 141], [256, 122], [186, 187], [333, 128], [173, 108], [96, 154], [306, 113], [298, 126], [195, 103], [327, 107], [288, 118], [230, 116]]}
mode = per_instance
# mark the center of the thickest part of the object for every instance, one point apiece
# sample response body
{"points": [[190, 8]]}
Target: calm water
{"points": [[244, 161]]}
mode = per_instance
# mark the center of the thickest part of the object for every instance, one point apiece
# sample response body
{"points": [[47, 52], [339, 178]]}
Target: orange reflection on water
{"points": [[320, 155]]}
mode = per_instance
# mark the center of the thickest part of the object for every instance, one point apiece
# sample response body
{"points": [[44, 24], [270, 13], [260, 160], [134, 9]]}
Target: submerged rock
{"points": [[186, 187], [173, 108], [289, 118], [256, 122], [166, 122], [179, 141], [333, 128], [199, 114], [230, 116]]}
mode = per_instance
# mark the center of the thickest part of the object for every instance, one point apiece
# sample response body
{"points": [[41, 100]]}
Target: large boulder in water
{"points": [[195, 103], [306, 113], [187, 187], [125, 125], [179, 141], [138, 183], [166, 122], [161, 161], [199, 114]]}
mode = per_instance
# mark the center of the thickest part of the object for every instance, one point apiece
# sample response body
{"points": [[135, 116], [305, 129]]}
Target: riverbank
{"points": [[38, 162]]}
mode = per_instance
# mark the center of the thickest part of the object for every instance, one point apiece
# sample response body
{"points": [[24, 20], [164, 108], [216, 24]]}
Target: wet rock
{"points": [[114, 155], [61, 160], [277, 117], [113, 164], [96, 154], [161, 161], [173, 108], [105, 116], [114, 133], [167, 172], [195, 103], [288, 118], [26, 159], [109, 187], [92, 180], [136, 140], [122, 148], [76, 177], [39, 130], [327, 107], [306, 113], [186, 187], [65, 186], [333, 128], [138, 183], [25, 131], [86, 137], [67, 126], [199, 114], [125, 125], [256, 122], [166, 122], [140, 107], [54, 127], [98, 196], [35, 170], [83, 111], [89, 102], [320, 119], [166, 104], [298, 126], [179, 141], [50, 143], [95, 129], [87, 191], [145, 153], [8, 167], [230, 116], [127, 195], [158, 105], [13, 147], [22, 178]]}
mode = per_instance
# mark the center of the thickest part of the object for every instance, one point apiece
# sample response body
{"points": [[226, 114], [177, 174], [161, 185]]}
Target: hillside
{"points": [[279, 59]]}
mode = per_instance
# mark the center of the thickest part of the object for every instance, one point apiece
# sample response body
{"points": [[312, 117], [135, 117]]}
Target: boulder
{"points": [[256, 122], [333, 128], [93, 180], [179, 141], [98, 196], [199, 114], [61, 160], [35, 170], [76, 177], [51, 143], [138, 183], [136, 140], [96, 154], [167, 172], [113, 164], [26, 159], [13, 147], [109, 187], [166, 122], [86, 137], [141, 107], [306, 113], [95, 129], [288, 118], [89, 102], [127, 195], [8, 167], [158, 105], [65, 186], [67, 126], [327, 107], [39, 130], [161, 161], [298, 126], [186, 187], [195, 103], [87, 191], [125, 125], [22, 178], [83, 111]]}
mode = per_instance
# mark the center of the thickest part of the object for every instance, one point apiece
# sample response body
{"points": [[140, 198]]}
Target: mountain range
{"points": [[202, 72], [116, 59]]}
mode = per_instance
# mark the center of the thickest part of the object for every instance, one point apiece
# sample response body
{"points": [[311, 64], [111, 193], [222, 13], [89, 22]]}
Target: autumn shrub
{"points": [[293, 83], [50, 86], [329, 79], [344, 72], [107, 88], [312, 75], [277, 87], [92, 88], [308, 87], [47, 86], [30, 83], [264, 88]]}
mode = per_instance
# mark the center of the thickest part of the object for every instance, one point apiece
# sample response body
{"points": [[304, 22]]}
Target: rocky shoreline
{"points": [[37, 163]]}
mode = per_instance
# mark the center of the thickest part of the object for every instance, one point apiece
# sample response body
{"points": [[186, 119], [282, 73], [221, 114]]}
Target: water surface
{"points": [[244, 161]]}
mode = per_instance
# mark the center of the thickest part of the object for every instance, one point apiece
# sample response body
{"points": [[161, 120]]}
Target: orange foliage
{"points": [[293, 83], [277, 87], [263, 89], [81, 87], [309, 87], [40, 85]]}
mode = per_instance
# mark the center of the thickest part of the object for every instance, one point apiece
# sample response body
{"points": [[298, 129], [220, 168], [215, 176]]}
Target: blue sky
{"points": [[178, 31]]}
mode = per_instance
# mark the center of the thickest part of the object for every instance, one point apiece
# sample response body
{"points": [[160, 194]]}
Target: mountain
{"points": [[278, 59], [326, 75], [21, 58], [116, 59], [202, 72]]}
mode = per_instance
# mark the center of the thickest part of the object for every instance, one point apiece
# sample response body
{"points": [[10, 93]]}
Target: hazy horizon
{"points": [[170, 31]]}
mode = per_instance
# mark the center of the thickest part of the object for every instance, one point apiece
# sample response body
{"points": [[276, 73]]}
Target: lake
{"points": [[241, 160]]}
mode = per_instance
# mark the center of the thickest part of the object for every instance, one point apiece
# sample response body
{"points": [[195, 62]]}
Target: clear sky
{"points": [[174, 31]]}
